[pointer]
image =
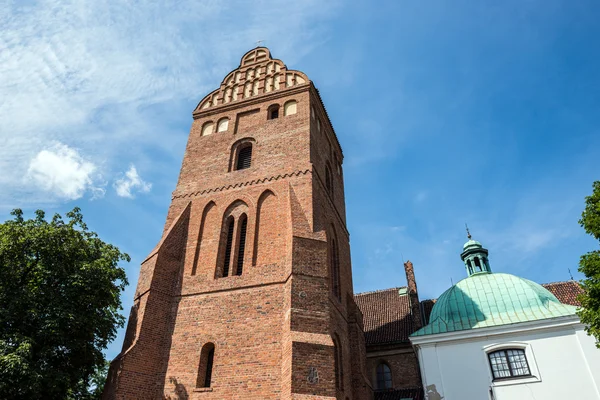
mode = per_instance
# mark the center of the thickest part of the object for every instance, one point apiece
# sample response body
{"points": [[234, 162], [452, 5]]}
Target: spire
{"points": [[475, 257]]}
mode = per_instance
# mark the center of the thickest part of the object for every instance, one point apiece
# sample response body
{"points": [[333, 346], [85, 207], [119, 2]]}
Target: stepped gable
{"points": [[257, 74]]}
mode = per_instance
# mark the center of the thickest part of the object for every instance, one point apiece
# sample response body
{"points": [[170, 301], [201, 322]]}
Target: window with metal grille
{"points": [[228, 245], [384, 377], [244, 158], [242, 244], [205, 367], [509, 363]]}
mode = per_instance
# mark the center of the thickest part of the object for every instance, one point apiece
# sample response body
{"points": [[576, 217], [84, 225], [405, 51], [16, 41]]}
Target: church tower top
{"points": [[258, 74]]}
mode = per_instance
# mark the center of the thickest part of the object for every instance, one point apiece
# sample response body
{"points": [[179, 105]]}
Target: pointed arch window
{"points": [[205, 368], [384, 376], [243, 223], [244, 158]]}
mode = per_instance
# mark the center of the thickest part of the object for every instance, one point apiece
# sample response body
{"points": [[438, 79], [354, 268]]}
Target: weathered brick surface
{"points": [[272, 326]]}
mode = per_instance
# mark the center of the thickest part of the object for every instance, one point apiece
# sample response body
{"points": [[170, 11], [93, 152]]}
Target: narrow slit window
{"points": [[209, 367], [242, 244], [244, 158], [335, 270], [228, 246], [205, 368]]}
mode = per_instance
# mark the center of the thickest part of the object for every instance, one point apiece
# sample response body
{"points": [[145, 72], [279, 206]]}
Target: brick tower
{"points": [[248, 295]]}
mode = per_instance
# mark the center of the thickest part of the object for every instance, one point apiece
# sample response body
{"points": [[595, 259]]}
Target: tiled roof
{"points": [[400, 394], [386, 316], [565, 292]]}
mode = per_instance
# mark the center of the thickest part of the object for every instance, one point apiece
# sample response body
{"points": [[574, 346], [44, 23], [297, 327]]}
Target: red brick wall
{"points": [[272, 326]]}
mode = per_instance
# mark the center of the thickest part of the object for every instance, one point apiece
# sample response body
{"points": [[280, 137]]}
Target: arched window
{"points": [[338, 364], [244, 157], [228, 245], [243, 227], [205, 368], [384, 377], [312, 112], [273, 112], [509, 363], [207, 128], [318, 125], [335, 269], [222, 125], [289, 108]]}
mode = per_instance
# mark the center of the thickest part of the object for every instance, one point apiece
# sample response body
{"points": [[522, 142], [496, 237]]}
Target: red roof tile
{"points": [[565, 292], [386, 316]]}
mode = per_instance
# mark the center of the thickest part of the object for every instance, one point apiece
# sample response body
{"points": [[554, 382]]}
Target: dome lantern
{"points": [[475, 257]]}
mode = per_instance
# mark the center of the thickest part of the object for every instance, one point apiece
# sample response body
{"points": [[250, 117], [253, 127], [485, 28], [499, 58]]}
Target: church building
{"points": [[249, 295]]}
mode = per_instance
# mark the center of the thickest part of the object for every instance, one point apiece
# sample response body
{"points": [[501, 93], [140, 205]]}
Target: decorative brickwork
{"points": [[239, 300]]}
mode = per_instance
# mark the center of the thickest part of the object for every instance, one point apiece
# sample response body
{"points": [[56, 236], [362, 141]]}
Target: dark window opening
{"points": [[205, 368], [244, 158], [509, 363], [477, 265], [335, 270], [470, 267], [384, 377], [273, 112], [228, 246], [209, 367], [242, 244]]}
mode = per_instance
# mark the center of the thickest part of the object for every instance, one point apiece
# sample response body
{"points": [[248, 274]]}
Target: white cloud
{"points": [[61, 171], [130, 183], [87, 73]]}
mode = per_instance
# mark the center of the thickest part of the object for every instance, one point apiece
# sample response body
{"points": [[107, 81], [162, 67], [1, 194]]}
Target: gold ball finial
{"points": [[468, 233]]}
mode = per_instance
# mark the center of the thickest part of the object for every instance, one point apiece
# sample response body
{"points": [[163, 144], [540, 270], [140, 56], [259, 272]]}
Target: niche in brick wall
{"points": [[269, 239], [206, 248]]}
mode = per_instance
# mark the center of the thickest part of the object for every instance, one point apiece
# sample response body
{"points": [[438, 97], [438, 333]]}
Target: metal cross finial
{"points": [[468, 233], [258, 42]]}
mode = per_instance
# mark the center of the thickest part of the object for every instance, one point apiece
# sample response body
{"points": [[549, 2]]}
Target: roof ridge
{"points": [[556, 283], [380, 290]]}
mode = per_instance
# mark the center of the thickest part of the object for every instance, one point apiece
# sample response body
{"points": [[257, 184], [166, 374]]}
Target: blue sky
{"points": [[447, 111]]}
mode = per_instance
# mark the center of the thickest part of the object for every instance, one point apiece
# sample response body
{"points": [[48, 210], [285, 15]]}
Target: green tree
{"points": [[589, 265], [60, 289]]}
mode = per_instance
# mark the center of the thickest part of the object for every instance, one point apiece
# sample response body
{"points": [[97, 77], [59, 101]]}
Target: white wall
{"points": [[564, 360]]}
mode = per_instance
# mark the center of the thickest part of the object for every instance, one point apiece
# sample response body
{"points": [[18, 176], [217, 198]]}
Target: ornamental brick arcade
{"points": [[248, 295]]}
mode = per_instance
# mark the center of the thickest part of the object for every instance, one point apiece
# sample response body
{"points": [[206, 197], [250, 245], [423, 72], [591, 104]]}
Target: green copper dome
{"points": [[486, 299]]}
